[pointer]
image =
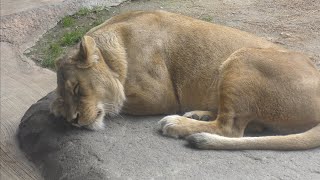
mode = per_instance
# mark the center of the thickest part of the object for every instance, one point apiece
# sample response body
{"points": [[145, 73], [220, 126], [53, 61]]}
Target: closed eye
{"points": [[76, 89]]}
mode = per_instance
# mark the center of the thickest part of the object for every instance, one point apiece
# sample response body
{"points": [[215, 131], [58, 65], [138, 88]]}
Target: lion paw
{"points": [[176, 126], [199, 115]]}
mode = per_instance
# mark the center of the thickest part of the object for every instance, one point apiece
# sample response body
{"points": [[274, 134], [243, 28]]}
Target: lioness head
{"points": [[87, 88]]}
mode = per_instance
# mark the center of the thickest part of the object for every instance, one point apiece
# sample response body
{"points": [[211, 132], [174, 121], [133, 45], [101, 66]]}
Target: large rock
{"points": [[131, 147]]}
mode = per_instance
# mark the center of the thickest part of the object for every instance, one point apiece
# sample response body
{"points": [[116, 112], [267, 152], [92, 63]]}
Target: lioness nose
{"points": [[75, 118]]}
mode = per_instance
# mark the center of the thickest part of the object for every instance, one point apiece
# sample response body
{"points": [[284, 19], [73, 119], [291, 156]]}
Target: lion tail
{"points": [[302, 141]]}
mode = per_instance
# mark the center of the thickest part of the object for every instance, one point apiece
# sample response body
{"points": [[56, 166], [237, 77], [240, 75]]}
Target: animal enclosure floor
{"points": [[294, 24]]}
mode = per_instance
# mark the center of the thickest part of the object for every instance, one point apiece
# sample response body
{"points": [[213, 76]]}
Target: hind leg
{"points": [[231, 120], [228, 123], [234, 112]]}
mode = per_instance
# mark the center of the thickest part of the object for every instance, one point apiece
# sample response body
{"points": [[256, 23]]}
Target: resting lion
{"points": [[147, 63]]}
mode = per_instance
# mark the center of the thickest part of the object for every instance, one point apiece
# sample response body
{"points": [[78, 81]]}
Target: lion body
{"points": [[173, 60], [167, 63]]}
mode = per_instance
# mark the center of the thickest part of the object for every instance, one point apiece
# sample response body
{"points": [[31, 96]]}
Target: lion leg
{"points": [[230, 122], [225, 125], [234, 110], [200, 115], [179, 126]]}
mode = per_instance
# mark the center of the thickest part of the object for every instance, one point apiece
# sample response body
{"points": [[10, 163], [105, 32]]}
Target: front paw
{"points": [[199, 115], [176, 126]]}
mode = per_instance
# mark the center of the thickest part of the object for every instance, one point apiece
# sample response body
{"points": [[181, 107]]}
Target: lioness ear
{"points": [[89, 52]]}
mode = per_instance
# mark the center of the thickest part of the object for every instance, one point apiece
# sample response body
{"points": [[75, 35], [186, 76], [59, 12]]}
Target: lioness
{"points": [[146, 63]]}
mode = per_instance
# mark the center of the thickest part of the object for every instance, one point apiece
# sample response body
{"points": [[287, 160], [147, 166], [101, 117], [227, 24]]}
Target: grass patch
{"points": [[67, 21], [67, 33], [53, 52], [97, 9], [83, 12], [71, 38]]}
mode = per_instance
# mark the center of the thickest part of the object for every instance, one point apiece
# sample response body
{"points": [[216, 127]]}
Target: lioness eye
{"points": [[76, 90]]}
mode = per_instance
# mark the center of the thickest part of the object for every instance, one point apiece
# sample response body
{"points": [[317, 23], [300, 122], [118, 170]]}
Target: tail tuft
{"points": [[207, 141]]}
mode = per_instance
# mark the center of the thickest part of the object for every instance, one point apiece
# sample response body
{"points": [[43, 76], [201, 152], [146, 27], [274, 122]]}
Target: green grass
{"points": [[67, 21], [53, 52], [67, 33], [83, 12], [71, 38], [55, 49]]}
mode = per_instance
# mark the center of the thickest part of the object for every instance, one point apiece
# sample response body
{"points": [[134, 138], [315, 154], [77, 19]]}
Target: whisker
{"points": [[110, 112], [118, 116], [109, 108], [108, 103]]}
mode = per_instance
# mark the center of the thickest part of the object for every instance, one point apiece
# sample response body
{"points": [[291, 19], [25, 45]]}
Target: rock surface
{"points": [[22, 23], [131, 147]]}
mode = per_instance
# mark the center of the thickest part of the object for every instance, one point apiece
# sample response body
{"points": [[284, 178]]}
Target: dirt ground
{"points": [[294, 24]]}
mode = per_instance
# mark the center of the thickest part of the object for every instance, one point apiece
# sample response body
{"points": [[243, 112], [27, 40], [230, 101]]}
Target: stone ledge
{"points": [[132, 148]]}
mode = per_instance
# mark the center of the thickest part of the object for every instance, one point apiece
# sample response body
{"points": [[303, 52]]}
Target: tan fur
{"points": [[146, 63]]}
